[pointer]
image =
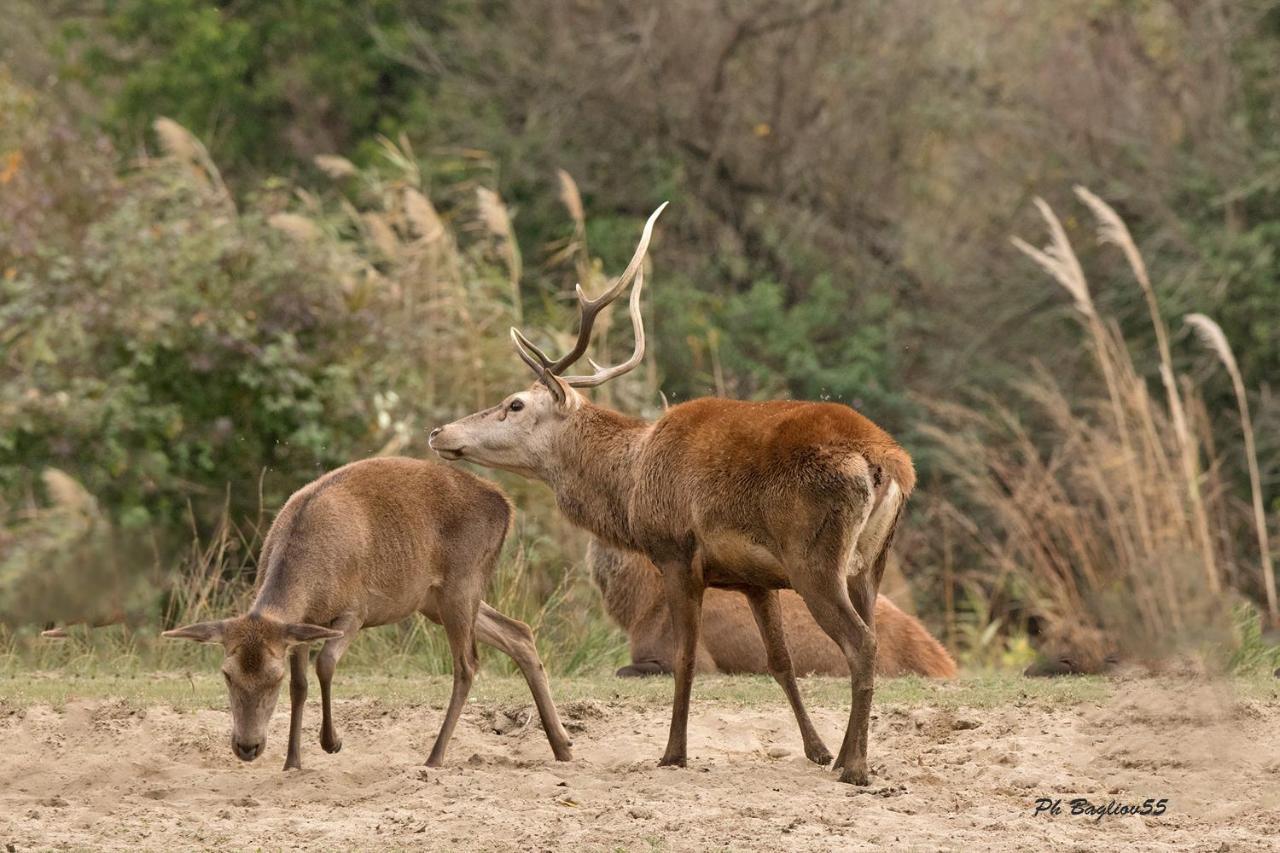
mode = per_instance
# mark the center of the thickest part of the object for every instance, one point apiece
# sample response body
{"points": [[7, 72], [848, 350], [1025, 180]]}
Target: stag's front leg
{"points": [[765, 608], [684, 599], [326, 664], [298, 658]]}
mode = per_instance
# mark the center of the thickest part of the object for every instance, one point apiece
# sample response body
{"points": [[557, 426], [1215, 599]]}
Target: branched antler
{"points": [[589, 309]]}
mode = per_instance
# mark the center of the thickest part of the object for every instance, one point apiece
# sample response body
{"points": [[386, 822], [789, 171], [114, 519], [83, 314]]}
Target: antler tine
{"points": [[528, 353], [527, 348], [604, 374]]}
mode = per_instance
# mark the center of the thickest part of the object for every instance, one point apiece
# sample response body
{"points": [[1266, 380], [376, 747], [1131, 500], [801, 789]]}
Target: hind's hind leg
{"points": [[326, 664], [457, 613], [515, 638]]}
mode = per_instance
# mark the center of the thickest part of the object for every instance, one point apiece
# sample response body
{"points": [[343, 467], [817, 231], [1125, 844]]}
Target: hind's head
{"points": [[254, 666]]}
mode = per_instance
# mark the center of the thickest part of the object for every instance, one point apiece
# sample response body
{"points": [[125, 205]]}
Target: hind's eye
{"points": [[516, 405]]}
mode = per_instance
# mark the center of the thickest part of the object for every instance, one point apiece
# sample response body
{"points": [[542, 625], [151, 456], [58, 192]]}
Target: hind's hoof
{"points": [[819, 756]]}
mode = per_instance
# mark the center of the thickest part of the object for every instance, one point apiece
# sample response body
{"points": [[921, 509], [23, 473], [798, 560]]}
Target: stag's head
{"points": [[255, 663], [520, 433]]}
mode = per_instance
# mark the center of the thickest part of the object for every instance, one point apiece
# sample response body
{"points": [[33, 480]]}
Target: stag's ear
{"points": [[558, 387], [201, 632], [301, 632]]}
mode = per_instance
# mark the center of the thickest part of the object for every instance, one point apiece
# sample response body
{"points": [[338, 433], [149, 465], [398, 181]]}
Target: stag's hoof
{"points": [[855, 776], [292, 764], [673, 761], [819, 755], [331, 746]]}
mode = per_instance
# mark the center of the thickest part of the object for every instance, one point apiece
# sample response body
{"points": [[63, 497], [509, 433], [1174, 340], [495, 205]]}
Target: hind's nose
{"points": [[434, 433], [247, 751]]}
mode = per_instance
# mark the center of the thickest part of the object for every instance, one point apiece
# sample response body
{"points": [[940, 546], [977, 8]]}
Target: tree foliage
{"points": [[844, 178]]}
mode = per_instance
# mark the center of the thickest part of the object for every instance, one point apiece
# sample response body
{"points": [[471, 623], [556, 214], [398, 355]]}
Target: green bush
{"points": [[182, 348]]}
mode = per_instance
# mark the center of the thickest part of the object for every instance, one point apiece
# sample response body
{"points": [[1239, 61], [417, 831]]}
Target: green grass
{"points": [[205, 690], [199, 689], [568, 645]]}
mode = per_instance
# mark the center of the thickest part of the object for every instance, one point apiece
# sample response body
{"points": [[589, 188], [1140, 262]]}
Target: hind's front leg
{"points": [[326, 664], [297, 698]]}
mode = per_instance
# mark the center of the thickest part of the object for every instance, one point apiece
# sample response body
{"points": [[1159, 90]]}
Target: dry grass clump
{"points": [[184, 148], [1097, 512]]}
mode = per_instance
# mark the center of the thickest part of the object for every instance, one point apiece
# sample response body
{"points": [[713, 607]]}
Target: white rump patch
{"points": [[876, 530]]}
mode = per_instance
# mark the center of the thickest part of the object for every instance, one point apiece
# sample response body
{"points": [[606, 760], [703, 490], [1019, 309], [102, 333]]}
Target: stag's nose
{"points": [[434, 433], [247, 751]]}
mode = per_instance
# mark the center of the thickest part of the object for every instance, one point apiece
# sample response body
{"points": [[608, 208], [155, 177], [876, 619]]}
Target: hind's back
{"points": [[391, 526]]}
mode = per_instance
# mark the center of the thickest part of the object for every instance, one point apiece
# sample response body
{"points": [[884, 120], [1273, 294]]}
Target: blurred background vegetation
{"points": [[244, 243]]}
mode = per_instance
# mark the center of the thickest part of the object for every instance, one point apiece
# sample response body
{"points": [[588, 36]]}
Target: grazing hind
{"points": [[729, 642], [369, 544]]}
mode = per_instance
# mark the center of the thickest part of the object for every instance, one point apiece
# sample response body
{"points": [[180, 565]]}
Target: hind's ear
{"points": [[201, 632], [301, 632]]}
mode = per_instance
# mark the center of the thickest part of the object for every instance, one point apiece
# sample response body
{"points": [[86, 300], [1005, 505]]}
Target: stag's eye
{"points": [[516, 405]]}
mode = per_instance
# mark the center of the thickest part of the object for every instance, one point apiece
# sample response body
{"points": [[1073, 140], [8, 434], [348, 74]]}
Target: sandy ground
{"points": [[106, 775]]}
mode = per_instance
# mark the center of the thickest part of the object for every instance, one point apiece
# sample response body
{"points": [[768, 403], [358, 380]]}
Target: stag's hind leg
{"points": [[862, 594], [823, 582], [764, 606], [326, 664], [834, 612], [516, 640]]}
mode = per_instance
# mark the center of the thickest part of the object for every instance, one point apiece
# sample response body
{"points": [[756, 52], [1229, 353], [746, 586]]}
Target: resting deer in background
{"points": [[370, 544], [754, 497], [728, 640]]}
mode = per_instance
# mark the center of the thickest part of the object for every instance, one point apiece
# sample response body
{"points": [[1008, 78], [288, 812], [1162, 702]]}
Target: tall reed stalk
{"points": [[1112, 229], [1211, 333]]}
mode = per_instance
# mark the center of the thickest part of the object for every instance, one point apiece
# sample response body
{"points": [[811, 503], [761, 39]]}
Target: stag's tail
{"points": [[890, 463]]}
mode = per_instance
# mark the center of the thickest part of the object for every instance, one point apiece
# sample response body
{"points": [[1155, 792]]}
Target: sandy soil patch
{"points": [[106, 775]]}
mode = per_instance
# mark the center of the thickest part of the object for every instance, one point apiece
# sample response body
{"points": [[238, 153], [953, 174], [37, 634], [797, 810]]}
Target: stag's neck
{"points": [[594, 471]]}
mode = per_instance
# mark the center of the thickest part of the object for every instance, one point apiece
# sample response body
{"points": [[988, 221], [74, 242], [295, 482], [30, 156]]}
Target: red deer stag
{"points": [[755, 497], [370, 544], [729, 642]]}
